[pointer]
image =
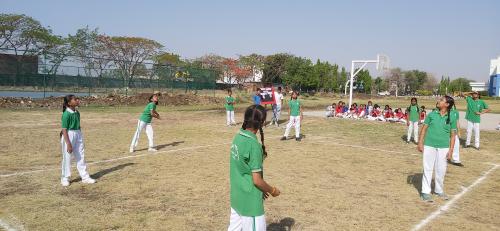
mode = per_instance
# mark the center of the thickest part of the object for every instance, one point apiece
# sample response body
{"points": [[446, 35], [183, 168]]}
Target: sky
{"points": [[452, 38]]}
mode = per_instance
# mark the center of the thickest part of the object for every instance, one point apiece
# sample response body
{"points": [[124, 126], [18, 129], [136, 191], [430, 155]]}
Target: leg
{"points": [[66, 159], [456, 151], [476, 134], [278, 114], [297, 127], [149, 133], [257, 223], [289, 126], [235, 222], [440, 169], [429, 159], [408, 133], [469, 133], [228, 118], [135, 139], [233, 121], [79, 152], [415, 130]]}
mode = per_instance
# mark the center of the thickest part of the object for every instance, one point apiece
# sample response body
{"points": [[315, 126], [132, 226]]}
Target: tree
{"points": [[298, 73], [378, 84], [235, 72], [274, 68], [57, 50], [414, 80], [460, 84], [166, 58], [342, 79], [364, 79], [254, 62], [128, 53], [89, 47]]}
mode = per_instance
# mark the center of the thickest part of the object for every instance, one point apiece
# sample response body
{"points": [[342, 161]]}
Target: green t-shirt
{"points": [[146, 114], [246, 157], [454, 115], [70, 119], [438, 132], [474, 106], [229, 107], [413, 110], [294, 105]]}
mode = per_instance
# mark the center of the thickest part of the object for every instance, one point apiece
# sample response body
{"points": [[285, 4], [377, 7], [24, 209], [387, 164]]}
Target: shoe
{"points": [[298, 139], [426, 197], [65, 182], [457, 164], [477, 148], [131, 149], [443, 196], [283, 138], [88, 181], [407, 142], [466, 146], [152, 150]]}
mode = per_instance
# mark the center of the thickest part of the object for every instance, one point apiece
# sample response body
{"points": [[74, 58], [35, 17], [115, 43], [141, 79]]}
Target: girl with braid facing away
{"points": [[248, 188]]}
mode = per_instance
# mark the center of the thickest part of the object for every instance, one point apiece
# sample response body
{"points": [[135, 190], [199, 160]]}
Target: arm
{"points": [[420, 146], [69, 147], [301, 115], [452, 144], [155, 114], [264, 186]]}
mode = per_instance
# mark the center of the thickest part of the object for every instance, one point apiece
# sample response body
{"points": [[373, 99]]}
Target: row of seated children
{"points": [[370, 112]]}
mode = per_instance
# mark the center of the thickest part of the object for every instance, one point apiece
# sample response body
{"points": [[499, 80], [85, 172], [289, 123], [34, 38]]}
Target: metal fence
{"points": [[77, 79]]}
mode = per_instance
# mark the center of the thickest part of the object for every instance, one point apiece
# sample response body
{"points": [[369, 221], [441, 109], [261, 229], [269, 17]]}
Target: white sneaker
{"points": [[131, 149], [152, 150], [88, 181], [65, 182]]}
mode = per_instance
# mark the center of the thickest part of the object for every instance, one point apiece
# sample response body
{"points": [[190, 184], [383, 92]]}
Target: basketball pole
{"points": [[353, 74]]}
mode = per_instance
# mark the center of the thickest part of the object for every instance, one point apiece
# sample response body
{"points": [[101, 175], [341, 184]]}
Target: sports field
{"points": [[344, 175]]}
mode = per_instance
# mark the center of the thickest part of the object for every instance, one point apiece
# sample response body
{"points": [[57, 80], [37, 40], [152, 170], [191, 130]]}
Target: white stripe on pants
{"points": [[434, 159], [149, 132], [242, 223], [294, 121], [456, 151], [470, 127], [76, 140], [412, 127], [230, 118], [276, 113]]}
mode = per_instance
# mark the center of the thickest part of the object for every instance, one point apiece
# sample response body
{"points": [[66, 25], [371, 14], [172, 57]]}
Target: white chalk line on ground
{"points": [[6, 226], [455, 198], [116, 159]]}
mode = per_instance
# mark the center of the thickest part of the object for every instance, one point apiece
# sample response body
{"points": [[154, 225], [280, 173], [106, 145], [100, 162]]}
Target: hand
{"points": [[301, 118], [448, 157], [407, 124], [420, 147], [276, 192], [69, 148], [478, 113]]}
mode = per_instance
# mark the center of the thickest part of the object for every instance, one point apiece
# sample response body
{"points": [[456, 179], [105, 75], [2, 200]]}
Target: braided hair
{"points": [[255, 117], [451, 104]]}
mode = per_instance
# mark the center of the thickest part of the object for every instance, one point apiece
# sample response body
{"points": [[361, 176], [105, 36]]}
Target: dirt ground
{"points": [[344, 175]]}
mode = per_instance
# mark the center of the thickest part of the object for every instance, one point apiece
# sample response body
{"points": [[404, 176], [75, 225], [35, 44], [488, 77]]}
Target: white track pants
{"points": [[149, 132], [76, 140], [434, 160], [294, 121], [276, 114], [455, 158], [230, 118], [242, 223], [413, 127], [472, 126]]}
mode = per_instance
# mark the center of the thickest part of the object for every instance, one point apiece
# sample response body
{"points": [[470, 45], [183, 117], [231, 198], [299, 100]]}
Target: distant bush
{"points": [[424, 92]]}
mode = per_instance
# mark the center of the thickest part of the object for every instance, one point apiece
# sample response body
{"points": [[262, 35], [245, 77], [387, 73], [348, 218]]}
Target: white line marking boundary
{"points": [[448, 204], [6, 226]]}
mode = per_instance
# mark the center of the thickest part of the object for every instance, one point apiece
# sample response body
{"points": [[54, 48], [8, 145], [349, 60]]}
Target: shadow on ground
{"points": [[103, 172], [284, 224]]}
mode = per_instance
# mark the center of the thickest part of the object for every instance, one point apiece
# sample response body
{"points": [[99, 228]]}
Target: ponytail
{"points": [[255, 117], [451, 104]]}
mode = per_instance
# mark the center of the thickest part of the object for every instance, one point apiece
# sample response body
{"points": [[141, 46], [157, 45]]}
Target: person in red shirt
{"points": [[388, 114], [423, 114], [338, 111], [376, 114], [399, 116]]}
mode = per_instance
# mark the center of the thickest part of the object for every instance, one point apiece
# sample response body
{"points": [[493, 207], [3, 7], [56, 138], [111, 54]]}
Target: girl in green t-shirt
{"points": [[229, 105], [437, 142], [295, 112], [413, 112], [144, 122], [248, 188], [72, 142]]}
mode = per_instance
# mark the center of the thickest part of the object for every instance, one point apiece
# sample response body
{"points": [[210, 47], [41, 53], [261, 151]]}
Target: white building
{"points": [[479, 86], [256, 77]]}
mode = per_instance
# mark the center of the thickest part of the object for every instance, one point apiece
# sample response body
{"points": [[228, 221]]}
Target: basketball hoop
{"points": [[382, 64]]}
